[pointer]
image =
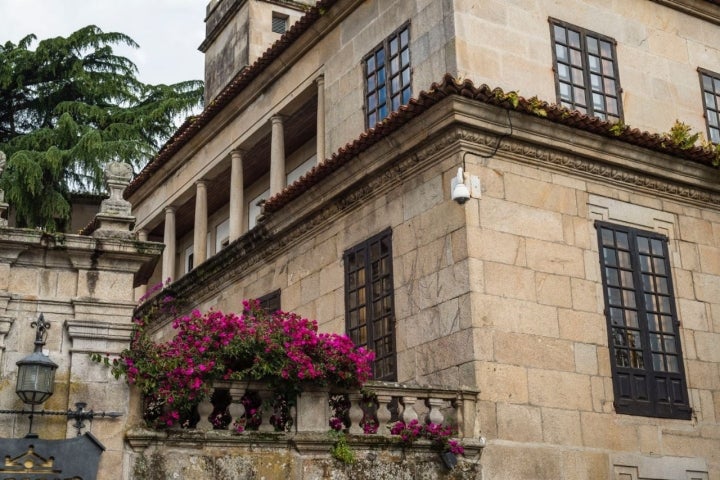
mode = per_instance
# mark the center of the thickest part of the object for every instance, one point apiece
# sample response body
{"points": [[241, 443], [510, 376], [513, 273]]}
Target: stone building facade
{"points": [[577, 287]]}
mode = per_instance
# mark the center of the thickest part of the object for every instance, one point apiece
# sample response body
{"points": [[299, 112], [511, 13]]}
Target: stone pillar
{"points": [[114, 219], [237, 200], [320, 120], [200, 238], [3, 206], [168, 268], [277, 156], [140, 291]]}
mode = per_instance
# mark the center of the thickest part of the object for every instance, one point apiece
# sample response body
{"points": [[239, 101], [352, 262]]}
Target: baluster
{"points": [[267, 409], [205, 408], [236, 408], [409, 414], [435, 415], [383, 413], [356, 413]]}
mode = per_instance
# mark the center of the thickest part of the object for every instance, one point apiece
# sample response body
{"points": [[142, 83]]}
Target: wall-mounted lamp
{"points": [[36, 372], [36, 383]]}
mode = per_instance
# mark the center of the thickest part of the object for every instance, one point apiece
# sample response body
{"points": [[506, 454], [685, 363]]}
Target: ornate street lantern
{"points": [[36, 372]]}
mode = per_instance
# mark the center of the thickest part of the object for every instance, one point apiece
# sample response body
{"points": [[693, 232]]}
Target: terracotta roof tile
{"points": [[450, 86]]}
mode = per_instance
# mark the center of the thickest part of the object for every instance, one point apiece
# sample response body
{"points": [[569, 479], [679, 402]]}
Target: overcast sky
{"points": [[168, 31]]}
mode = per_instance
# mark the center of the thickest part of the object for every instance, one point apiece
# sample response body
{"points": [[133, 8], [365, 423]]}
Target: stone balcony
{"points": [[303, 449]]}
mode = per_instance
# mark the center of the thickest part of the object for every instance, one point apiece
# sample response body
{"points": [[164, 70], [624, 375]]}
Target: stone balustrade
{"points": [[379, 406]]}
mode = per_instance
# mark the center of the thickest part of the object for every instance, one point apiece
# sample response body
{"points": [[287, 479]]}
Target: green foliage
{"points": [[70, 106], [618, 128], [341, 450], [681, 136], [537, 106]]}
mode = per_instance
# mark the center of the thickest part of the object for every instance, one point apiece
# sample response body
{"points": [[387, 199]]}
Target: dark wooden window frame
{"points": [[369, 293], [643, 328], [710, 88], [387, 74], [271, 301], [591, 83]]}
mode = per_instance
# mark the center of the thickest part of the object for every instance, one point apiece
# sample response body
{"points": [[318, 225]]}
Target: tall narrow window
{"points": [[586, 72], [369, 301], [710, 83], [645, 353], [387, 76]]}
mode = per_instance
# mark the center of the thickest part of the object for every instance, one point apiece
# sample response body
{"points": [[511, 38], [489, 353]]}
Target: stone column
{"points": [[236, 194], [277, 156], [200, 239], [142, 236], [168, 268], [320, 119]]}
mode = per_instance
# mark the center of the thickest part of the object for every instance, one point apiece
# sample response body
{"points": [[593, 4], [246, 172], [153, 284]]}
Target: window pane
{"points": [[607, 237], [559, 34], [394, 46], [612, 277], [563, 72], [706, 82], [577, 77], [607, 68], [709, 100], [623, 259], [612, 106], [405, 58], [594, 63], [565, 92], [605, 49], [394, 65], [627, 279], [561, 53], [610, 257], [592, 45], [609, 85], [629, 298], [575, 58], [574, 39], [380, 57], [631, 318]]}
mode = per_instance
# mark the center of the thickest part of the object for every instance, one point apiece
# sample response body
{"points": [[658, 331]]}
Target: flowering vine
{"points": [[281, 348], [439, 435]]}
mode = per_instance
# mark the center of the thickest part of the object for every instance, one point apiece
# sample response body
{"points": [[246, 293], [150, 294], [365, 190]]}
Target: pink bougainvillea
{"points": [[281, 348]]}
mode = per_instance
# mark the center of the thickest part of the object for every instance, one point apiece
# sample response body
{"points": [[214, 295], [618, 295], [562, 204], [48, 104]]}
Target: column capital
{"points": [[277, 119], [170, 209], [237, 152], [202, 183], [320, 80]]}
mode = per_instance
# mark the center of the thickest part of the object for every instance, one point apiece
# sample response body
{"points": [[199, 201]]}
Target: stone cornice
{"points": [[708, 10]]}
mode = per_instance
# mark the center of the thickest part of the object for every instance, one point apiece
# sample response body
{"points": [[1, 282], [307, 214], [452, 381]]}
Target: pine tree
{"points": [[70, 106]]}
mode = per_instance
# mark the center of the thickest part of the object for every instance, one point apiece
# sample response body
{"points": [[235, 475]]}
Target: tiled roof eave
{"points": [[450, 86]]}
